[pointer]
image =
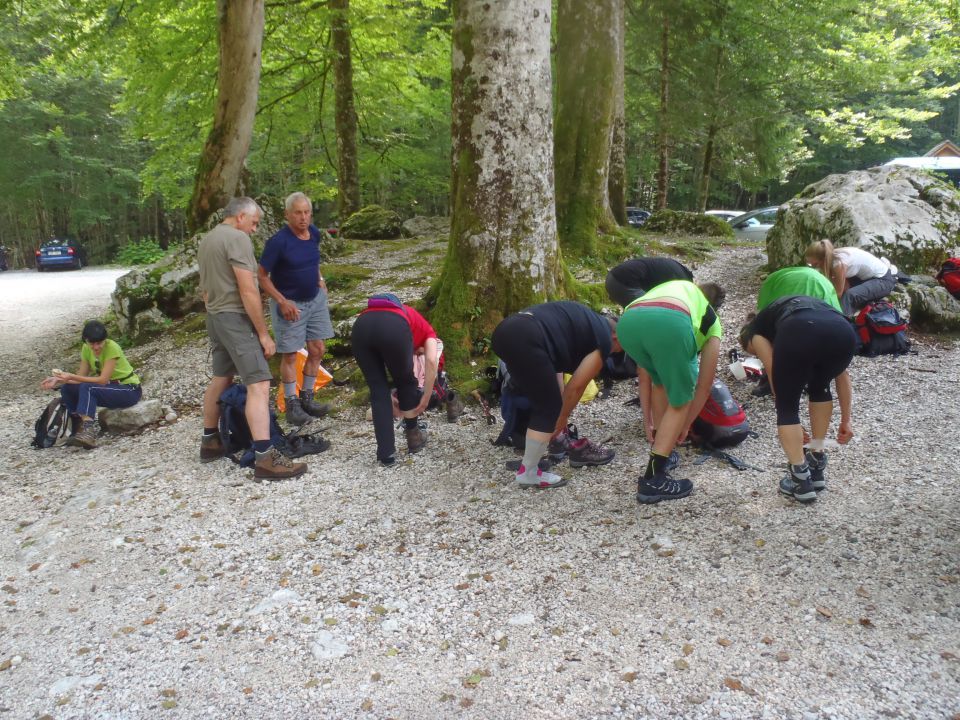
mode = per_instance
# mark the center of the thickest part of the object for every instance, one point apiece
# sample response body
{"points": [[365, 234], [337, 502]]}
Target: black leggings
{"points": [[520, 343], [811, 348], [382, 342]]}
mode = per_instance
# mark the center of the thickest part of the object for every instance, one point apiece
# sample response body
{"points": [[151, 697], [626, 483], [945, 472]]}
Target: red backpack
{"points": [[949, 276], [881, 330], [722, 423]]}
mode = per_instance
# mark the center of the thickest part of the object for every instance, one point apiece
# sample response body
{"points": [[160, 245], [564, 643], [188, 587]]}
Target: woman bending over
{"points": [[857, 276]]}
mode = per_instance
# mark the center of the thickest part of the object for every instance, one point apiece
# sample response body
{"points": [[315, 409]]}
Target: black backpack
{"points": [[52, 425], [881, 330]]}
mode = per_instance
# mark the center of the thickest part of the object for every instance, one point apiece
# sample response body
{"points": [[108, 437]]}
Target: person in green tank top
{"points": [[105, 379], [790, 281]]}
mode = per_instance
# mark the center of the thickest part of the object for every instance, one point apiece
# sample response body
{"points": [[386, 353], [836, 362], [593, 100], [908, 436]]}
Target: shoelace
{"points": [[280, 459]]}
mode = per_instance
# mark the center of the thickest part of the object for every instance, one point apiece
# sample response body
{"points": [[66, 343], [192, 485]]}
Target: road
{"points": [[41, 316]]}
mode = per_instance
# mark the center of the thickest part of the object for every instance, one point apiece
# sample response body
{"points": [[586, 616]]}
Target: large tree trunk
{"points": [[588, 39], [503, 253], [345, 115], [617, 173], [219, 175], [663, 135]]}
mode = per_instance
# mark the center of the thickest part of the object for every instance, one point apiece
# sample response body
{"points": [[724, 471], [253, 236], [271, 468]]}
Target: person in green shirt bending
{"points": [[105, 379], [791, 281]]}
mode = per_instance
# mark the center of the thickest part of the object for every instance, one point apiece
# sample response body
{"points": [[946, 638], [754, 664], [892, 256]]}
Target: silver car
{"points": [[754, 225]]}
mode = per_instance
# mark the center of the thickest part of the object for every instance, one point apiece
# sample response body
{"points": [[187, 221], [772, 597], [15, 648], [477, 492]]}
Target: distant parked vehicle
{"points": [[3, 258], [62, 253], [948, 166], [637, 216], [754, 225], [725, 215]]}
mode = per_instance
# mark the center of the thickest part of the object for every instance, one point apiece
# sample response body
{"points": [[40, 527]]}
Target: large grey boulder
{"points": [[932, 308], [132, 419], [426, 226], [901, 213]]}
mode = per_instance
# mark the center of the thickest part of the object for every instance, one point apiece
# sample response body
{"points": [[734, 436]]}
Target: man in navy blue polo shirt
{"points": [[289, 273]]}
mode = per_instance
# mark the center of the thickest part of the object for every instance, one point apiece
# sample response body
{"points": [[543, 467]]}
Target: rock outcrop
{"points": [[904, 214], [132, 419], [687, 223], [372, 223], [426, 226]]}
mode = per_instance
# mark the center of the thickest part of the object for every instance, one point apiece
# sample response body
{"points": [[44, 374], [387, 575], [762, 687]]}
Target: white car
{"points": [[754, 225], [726, 215]]}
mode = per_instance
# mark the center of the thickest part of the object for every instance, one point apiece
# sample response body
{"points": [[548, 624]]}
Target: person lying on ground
{"points": [[105, 379], [804, 344], [664, 332], [538, 345], [858, 276], [383, 340]]}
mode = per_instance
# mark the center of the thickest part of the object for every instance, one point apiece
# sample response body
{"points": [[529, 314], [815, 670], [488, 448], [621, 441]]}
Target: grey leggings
{"points": [[864, 291]]}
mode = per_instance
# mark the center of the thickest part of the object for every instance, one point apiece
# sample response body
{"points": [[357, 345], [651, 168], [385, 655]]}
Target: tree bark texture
{"points": [[345, 113], [588, 46], [663, 135], [617, 172], [503, 253], [220, 173]]}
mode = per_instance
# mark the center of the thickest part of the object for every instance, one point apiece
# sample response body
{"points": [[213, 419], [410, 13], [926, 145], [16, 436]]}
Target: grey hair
{"points": [[295, 198], [239, 205]]}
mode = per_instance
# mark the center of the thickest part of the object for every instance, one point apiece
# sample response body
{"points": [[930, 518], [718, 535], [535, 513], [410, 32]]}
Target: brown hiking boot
{"points": [[311, 406], [85, 437], [454, 406], [274, 465], [210, 448], [416, 438]]}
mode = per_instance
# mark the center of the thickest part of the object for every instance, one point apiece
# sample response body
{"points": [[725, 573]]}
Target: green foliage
{"points": [[341, 278], [684, 223], [142, 252]]}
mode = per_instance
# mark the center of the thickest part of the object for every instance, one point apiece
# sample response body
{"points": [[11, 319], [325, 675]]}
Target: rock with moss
{"points": [[426, 226], [932, 308], [372, 222], [905, 214], [675, 222]]}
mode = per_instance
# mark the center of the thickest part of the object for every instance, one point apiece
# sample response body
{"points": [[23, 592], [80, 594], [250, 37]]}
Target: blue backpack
{"points": [[234, 431]]}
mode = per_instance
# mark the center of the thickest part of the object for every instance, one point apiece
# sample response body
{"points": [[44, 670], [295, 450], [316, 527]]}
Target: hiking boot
{"points": [[86, 436], [662, 486], [799, 488], [274, 465], [416, 438], [762, 388], [583, 453], [210, 448], [295, 414], [673, 462], [454, 406], [560, 445], [311, 406], [541, 479], [817, 462]]}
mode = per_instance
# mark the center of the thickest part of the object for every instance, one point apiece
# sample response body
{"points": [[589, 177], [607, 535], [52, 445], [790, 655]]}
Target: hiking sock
{"points": [[261, 446], [309, 382], [207, 432], [816, 445], [290, 389], [409, 423], [656, 465], [531, 455]]}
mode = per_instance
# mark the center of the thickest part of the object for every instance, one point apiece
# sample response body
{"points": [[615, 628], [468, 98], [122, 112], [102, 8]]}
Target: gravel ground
{"points": [[137, 583]]}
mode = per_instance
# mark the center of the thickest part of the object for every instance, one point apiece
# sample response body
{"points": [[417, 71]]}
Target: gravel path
{"points": [[137, 583]]}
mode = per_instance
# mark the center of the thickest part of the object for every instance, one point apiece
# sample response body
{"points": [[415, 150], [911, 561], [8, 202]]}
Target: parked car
{"points": [[3, 258], [754, 225], [57, 252], [725, 215], [637, 216]]}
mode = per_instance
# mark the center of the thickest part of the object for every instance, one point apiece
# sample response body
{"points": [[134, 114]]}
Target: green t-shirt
{"points": [[696, 302], [222, 249], [122, 371], [797, 281]]}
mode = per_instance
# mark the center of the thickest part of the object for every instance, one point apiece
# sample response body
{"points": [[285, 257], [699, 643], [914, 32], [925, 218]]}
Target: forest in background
{"points": [[105, 105]]}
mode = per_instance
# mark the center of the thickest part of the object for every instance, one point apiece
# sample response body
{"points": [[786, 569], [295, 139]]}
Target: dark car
{"points": [[63, 253], [637, 216]]}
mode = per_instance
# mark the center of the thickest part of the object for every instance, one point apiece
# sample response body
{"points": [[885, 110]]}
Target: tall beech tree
{"points": [[503, 253], [617, 171], [219, 174], [345, 113], [589, 49]]}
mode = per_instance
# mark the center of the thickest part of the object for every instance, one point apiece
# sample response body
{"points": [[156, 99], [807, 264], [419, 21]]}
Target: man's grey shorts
{"points": [[314, 324], [235, 348]]}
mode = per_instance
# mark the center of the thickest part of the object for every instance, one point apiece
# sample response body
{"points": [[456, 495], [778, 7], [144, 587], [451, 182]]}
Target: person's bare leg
{"points": [[258, 410], [211, 407]]}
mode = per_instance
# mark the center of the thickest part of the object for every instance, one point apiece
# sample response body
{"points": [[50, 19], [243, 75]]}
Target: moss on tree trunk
{"points": [[345, 115]]}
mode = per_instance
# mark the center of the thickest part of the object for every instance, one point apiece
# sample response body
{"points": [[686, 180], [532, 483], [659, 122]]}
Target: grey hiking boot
{"points": [[454, 406], [416, 438], [817, 461], [274, 465], [798, 486], [560, 445], [583, 453], [210, 448], [295, 413], [662, 486], [311, 406], [85, 437]]}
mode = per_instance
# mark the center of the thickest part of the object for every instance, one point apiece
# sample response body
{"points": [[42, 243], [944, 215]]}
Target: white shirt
{"points": [[861, 264]]}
